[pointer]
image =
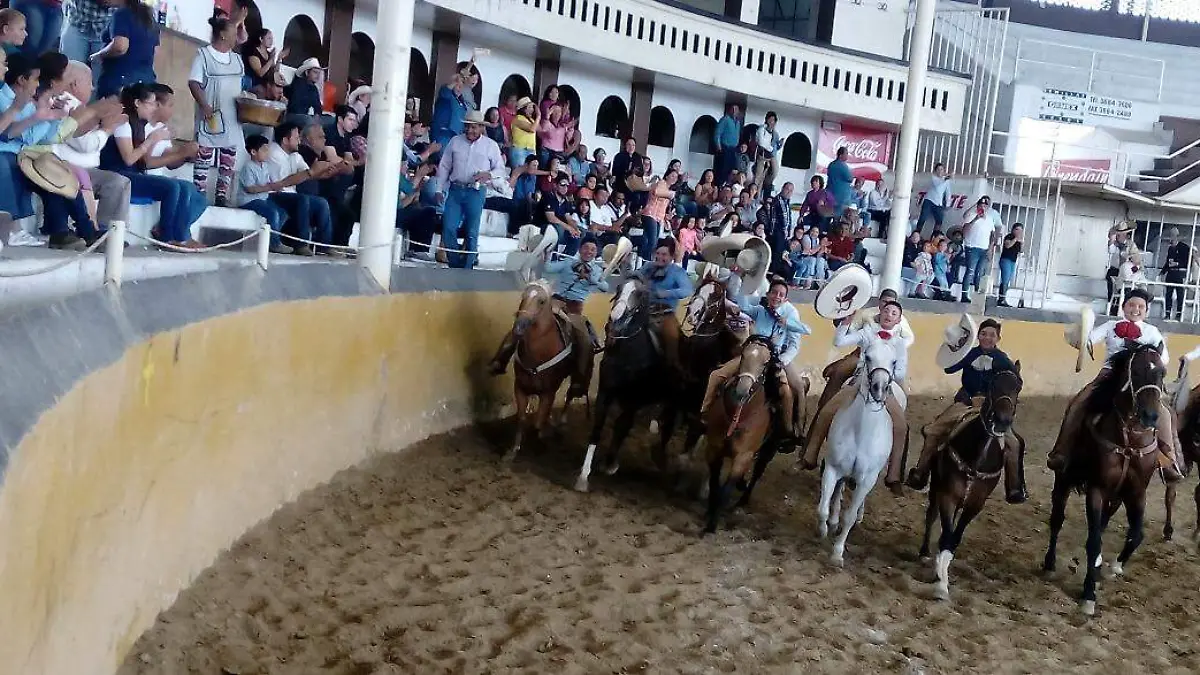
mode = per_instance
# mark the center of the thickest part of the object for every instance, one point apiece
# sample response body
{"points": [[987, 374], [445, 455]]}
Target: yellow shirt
{"points": [[526, 140]]}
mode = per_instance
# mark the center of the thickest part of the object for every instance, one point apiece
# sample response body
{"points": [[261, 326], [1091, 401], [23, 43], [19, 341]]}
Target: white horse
{"points": [[860, 440]]}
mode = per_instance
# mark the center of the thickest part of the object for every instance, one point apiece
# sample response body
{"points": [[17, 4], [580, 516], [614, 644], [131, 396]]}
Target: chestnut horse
{"points": [[738, 429], [1115, 457], [967, 469], [543, 359], [1189, 443]]}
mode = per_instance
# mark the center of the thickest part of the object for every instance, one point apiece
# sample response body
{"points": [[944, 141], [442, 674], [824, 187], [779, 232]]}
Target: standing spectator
{"points": [[981, 227], [557, 211], [937, 198], [508, 112], [654, 213], [579, 165], [841, 181], [43, 23], [600, 166], [1008, 262], [923, 270], [83, 30], [879, 204], [549, 99], [261, 57], [128, 58], [1175, 271], [766, 155], [726, 138], [13, 33], [523, 132], [781, 218], [215, 82], [623, 165], [819, 205], [469, 161], [450, 109], [1119, 247], [493, 127], [303, 95]]}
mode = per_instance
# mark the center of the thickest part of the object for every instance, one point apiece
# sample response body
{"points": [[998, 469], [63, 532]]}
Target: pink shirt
{"points": [[690, 239], [553, 137]]}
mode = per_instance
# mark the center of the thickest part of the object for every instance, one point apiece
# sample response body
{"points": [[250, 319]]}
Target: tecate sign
{"points": [[1078, 170]]}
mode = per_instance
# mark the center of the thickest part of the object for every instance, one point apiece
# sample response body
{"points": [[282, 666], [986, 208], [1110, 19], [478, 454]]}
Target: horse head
{"points": [[1140, 377], [707, 305], [535, 302], [879, 364], [628, 304], [757, 354], [1000, 405]]}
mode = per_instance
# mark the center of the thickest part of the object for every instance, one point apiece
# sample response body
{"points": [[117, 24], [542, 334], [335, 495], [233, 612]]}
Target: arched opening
{"points": [[302, 40], [567, 93], [253, 16], [662, 127], [612, 119], [362, 57], [749, 133], [797, 152], [477, 90], [701, 142], [514, 85]]}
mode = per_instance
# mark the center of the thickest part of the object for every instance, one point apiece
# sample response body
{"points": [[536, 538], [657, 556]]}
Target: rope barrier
{"points": [[183, 249], [58, 265]]}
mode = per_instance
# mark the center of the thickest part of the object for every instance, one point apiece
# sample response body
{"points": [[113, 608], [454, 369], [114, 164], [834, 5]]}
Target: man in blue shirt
{"points": [[726, 138], [669, 284], [841, 180]]}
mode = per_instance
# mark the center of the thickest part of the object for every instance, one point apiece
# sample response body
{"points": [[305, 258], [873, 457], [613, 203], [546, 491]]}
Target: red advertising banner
{"points": [[1078, 170], [870, 150]]}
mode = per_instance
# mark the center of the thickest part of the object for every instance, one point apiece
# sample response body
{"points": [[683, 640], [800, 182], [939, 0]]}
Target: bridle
{"points": [[635, 310], [988, 414], [1134, 393], [710, 314], [756, 380], [865, 389]]}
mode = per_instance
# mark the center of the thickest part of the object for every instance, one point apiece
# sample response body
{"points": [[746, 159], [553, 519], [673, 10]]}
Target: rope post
{"points": [[114, 254], [264, 244]]}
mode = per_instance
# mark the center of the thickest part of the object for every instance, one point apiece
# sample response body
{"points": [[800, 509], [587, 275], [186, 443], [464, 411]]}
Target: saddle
{"points": [[566, 334]]}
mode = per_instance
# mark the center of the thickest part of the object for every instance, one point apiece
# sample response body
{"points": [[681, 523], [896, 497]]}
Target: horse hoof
{"points": [[581, 485], [837, 560], [823, 531], [1117, 569], [1088, 607], [941, 592], [613, 468], [654, 426], [508, 458], [1168, 533]]}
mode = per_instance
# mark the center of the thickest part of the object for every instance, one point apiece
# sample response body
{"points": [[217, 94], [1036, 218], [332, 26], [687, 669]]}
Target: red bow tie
{"points": [[885, 335], [1127, 330]]}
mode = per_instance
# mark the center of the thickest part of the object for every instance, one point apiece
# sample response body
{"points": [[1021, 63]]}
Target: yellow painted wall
{"points": [[143, 473]]}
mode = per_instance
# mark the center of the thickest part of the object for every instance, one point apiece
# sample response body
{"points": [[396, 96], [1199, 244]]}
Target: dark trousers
{"points": [[59, 209], [883, 218], [420, 222], [1175, 294], [309, 216], [1110, 280], [727, 161]]}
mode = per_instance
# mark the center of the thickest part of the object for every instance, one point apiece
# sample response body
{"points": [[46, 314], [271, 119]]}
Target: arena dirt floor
{"points": [[435, 561]]}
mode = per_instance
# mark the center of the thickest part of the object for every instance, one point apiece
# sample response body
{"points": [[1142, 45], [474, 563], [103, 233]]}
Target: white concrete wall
{"points": [[868, 28], [593, 87]]}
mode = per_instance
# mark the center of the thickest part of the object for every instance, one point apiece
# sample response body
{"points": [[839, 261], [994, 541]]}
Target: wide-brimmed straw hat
{"points": [[1077, 334], [614, 254], [846, 292], [750, 254], [473, 117], [1122, 227], [359, 92], [523, 101], [49, 173], [959, 338], [312, 63]]}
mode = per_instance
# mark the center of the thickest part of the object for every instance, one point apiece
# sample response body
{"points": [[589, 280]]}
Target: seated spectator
{"points": [[912, 247], [608, 216], [813, 265], [28, 120], [128, 58], [841, 247], [548, 177], [492, 127], [126, 154], [746, 209], [523, 132], [579, 165], [215, 82], [268, 189], [13, 33], [587, 191], [600, 166], [690, 236], [303, 96], [333, 181], [722, 206], [556, 210], [704, 194], [261, 57], [418, 220]]}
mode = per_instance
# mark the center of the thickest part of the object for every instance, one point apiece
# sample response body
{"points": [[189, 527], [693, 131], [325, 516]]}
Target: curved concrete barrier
{"points": [[146, 431]]}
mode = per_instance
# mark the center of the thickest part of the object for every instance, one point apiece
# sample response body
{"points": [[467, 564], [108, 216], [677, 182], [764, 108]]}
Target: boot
{"points": [[1170, 468], [1002, 301], [500, 361], [584, 357], [787, 420], [1015, 490], [918, 476]]}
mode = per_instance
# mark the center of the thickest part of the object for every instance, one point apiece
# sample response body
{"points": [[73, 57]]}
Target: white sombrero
{"points": [[750, 254], [958, 340], [1077, 334], [614, 254], [846, 292], [546, 242], [532, 247]]}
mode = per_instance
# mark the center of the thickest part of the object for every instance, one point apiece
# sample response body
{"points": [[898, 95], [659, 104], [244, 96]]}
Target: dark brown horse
{"points": [[543, 359], [1115, 456], [1189, 441], [967, 469], [738, 429]]}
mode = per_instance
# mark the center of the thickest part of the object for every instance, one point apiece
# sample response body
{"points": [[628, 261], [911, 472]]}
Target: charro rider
{"points": [[574, 280], [977, 366], [1117, 337], [669, 284], [846, 336], [775, 318], [841, 370]]}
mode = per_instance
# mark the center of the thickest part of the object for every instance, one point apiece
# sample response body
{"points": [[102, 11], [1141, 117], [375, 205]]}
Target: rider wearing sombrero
{"points": [[839, 371], [977, 367], [1117, 337], [887, 328], [574, 280], [776, 319], [669, 284]]}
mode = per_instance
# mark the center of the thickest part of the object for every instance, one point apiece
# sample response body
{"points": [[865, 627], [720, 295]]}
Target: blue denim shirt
{"points": [[783, 327], [728, 130], [668, 285], [568, 283], [38, 133]]}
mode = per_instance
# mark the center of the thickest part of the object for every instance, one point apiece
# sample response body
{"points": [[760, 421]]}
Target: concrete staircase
{"points": [[1171, 174]]}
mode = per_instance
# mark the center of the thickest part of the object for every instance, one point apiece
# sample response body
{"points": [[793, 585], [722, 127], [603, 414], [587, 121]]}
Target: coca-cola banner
{"points": [[1078, 170], [870, 150]]}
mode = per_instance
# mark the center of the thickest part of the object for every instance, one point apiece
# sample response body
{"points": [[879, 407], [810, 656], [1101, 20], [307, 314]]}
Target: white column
{"points": [[910, 130], [385, 146]]}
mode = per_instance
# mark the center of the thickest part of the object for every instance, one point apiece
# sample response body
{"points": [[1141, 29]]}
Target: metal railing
{"points": [[1125, 73]]}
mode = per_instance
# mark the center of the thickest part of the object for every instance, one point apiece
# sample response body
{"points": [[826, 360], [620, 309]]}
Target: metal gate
{"points": [[1037, 204]]}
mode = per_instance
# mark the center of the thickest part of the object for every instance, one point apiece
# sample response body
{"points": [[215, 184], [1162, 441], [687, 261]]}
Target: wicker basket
{"points": [[260, 112]]}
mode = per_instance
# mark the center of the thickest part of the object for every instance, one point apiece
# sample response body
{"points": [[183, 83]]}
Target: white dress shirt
{"points": [[863, 338], [1114, 345]]}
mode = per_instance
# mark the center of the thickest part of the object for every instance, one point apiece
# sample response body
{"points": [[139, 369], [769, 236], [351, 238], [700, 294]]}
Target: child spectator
{"points": [[690, 236], [923, 270], [12, 30], [263, 184], [941, 268]]}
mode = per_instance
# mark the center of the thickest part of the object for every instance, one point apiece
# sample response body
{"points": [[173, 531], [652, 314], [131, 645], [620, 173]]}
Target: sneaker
{"points": [[335, 253], [281, 249], [192, 244], [23, 238], [67, 242], [303, 250]]}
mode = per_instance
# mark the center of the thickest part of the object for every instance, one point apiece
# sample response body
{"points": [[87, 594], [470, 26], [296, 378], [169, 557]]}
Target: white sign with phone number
{"points": [[1073, 107]]}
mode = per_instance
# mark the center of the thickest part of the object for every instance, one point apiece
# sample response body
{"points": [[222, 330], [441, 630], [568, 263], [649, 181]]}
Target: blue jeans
{"points": [[1008, 268], [310, 216], [272, 213], [727, 161], [464, 208], [178, 205], [976, 266], [517, 156], [58, 209], [931, 210], [43, 23], [645, 243], [569, 241], [78, 47]]}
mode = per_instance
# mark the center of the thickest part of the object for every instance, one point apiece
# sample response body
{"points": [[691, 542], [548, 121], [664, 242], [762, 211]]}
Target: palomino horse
{"points": [[542, 359], [707, 344], [632, 373], [860, 440], [967, 469], [1116, 456], [739, 429]]}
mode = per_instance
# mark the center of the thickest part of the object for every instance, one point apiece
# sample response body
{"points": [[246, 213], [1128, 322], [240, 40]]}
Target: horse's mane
{"points": [[761, 340], [542, 284], [1107, 391]]}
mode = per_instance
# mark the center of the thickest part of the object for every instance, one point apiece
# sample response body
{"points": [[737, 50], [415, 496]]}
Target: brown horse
{"points": [[1116, 457], [1189, 441], [967, 469], [739, 429], [543, 359]]}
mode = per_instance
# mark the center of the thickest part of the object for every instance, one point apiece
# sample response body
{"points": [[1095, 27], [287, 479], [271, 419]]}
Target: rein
{"points": [[552, 361], [1126, 450], [865, 390], [756, 381]]}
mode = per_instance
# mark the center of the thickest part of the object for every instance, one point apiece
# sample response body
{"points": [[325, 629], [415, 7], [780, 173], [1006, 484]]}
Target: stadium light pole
{"points": [[385, 145], [910, 131]]}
